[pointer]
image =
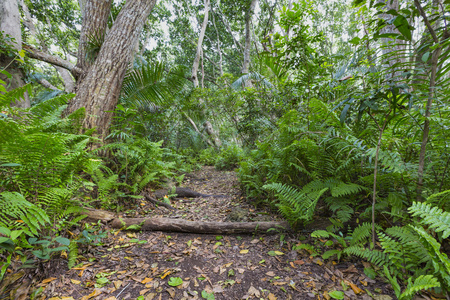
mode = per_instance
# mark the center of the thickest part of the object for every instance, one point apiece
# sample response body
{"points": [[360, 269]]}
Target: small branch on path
{"points": [[153, 200]]}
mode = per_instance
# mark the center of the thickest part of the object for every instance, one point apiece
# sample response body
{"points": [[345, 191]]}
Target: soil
{"points": [[151, 264]]}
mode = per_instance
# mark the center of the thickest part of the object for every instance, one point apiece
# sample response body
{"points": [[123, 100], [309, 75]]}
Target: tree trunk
{"points": [[95, 15], [219, 50], [99, 91], [431, 94], [199, 46], [10, 25], [248, 37]]}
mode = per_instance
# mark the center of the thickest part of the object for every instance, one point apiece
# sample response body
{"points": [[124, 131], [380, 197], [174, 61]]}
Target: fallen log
{"points": [[180, 225]]}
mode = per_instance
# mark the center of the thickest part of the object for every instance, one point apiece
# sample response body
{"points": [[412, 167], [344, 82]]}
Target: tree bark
{"points": [[199, 46], [248, 37], [99, 91], [180, 225], [219, 50], [95, 15], [10, 25], [431, 95]]}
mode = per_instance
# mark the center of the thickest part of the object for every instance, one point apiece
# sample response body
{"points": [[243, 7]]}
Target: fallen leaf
{"points": [[270, 273], [117, 284], [150, 296], [166, 274], [171, 292], [299, 262], [253, 292], [146, 280], [355, 288], [74, 281], [95, 293], [142, 292], [47, 280], [227, 265], [272, 297], [242, 252], [279, 283]]}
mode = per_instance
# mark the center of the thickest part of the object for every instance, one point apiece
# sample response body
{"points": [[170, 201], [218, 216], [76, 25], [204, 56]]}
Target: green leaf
{"points": [[403, 26], [370, 273], [10, 165], [426, 56], [208, 296], [63, 241], [175, 281], [336, 295], [355, 40]]}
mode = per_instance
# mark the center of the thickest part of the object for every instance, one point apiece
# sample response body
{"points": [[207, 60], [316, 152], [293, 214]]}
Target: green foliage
{"points": [[296, 206], [434, 217], [16, 212], [229, 158]]}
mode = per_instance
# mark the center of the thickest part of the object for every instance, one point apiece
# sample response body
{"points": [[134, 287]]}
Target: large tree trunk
{"points": [[10, 25], [199, 46], [248, 36], [99, 91]]}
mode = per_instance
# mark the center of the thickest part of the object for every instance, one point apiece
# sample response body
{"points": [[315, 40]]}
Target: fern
{"points": [[423, 282], [14, 209], [295, 205], [433, 217], [73, 254]]}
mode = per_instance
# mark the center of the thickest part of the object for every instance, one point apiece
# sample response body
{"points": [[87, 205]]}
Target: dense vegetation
{"points": [[348, 119]]}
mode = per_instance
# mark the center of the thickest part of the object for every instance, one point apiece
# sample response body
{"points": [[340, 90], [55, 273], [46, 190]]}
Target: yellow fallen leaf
{"points": [[270, 273], [74, 281], [272, 297], [243, 251], [227, 265], [129, 258], [279, 283], [355, 288], [278, 253], [111, 298], [95, 293], [146, 280], [47, 280], [326, 295], [166, 274]]}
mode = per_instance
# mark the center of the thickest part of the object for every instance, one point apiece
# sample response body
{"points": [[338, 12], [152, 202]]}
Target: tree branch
{"points": [[51, 59]]}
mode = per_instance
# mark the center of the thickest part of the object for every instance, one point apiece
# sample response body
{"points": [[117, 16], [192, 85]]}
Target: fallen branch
{"points": [[180, 225], [160, 203]]}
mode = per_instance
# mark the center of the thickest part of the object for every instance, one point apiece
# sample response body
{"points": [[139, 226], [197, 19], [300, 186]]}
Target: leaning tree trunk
{"points": [[99, 91], [10, 25], [199, 46]]}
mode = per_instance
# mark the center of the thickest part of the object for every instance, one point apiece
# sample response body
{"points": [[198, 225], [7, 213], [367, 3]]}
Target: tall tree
{"points": [[248, 36], [199, 45], [99, 89], [10, 26]]}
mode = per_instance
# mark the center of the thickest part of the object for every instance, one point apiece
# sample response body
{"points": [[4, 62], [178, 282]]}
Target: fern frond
{"points": [[432, 216], [374, 256], [14, 207], [423, 282]]}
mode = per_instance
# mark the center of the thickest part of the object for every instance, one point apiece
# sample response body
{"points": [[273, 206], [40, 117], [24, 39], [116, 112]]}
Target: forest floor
{"points": [[163, 265]]}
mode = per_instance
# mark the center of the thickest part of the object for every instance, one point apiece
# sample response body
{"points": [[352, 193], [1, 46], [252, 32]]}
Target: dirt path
{"points": [[148, 264]]}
